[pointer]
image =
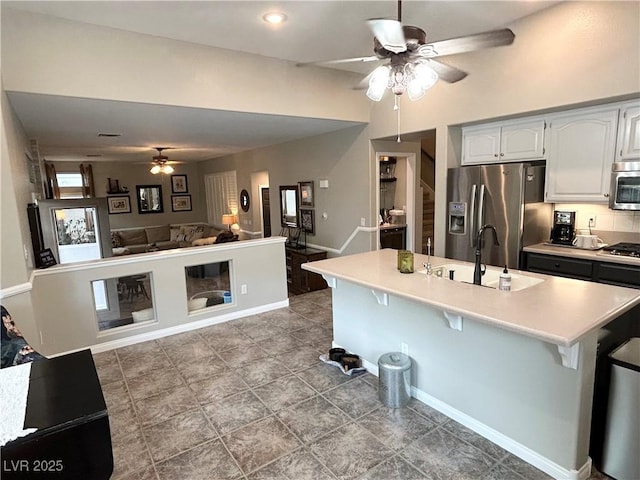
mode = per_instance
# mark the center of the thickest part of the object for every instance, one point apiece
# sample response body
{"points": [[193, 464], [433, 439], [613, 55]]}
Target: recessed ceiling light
{"points": [[274, 18]]}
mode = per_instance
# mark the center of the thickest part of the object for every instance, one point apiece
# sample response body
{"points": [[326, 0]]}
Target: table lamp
{"points": [[228, 219]]}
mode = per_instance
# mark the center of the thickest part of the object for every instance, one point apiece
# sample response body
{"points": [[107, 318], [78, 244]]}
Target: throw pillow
{"points": [[158, 234], [192, 232], [176, 235], [133, 237], [116, 240]]}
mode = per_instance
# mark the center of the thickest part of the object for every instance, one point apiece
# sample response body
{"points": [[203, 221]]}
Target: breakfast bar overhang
{"points": [[516, 367]]}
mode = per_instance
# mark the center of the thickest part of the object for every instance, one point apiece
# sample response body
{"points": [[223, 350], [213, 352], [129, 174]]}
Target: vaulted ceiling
{"points": [[314, 31]]}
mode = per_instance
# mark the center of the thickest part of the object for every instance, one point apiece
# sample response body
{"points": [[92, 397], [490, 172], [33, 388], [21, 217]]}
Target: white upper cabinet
{"points": [[510, 141], [629, 133], [581, 148]]}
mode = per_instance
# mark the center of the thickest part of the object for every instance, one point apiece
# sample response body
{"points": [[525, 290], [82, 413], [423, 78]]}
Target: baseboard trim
{"points": [[519, 450], [15, 290], [537, 460], [186, 327]]}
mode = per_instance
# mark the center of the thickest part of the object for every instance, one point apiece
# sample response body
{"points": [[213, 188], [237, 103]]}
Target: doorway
{"points": [[428, 184], [397, 191], [419, 150]]}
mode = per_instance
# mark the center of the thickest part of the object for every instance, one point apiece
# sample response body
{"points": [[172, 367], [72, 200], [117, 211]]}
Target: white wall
{"points": [[342, 158], [138, 174], [15, 242], [70, 313], [43, 54]]}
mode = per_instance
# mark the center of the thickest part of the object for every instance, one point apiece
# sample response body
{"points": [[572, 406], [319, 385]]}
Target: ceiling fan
{"points": [[161, 162], [411, 66]]}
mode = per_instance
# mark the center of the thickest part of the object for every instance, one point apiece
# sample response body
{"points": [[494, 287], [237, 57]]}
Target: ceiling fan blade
{"points": [[371, 58], [495, 38], [389, 33], [364, 83], [446, 72]]}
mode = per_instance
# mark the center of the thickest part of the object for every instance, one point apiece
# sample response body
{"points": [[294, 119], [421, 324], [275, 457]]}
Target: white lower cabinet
{"points": [[581, 148]]}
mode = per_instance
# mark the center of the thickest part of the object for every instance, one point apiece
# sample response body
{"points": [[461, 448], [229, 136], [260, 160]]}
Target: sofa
{"points": [[162, 237]]}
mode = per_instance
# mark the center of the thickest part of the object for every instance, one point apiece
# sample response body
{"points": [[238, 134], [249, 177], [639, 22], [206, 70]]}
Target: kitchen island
{"points": [[517, 367]]}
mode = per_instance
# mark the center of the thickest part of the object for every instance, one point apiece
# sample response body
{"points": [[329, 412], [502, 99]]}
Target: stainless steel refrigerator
{"points": [[508, 196]]}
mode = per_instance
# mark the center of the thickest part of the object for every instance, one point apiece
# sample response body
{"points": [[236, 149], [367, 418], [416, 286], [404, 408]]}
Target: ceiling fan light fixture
{"points": [[378, 83], [160, 163], [274, 18], [161, 168], [415, 91], [426, 75]]}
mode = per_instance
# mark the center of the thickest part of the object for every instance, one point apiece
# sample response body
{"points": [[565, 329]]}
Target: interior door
{"points": [[77, 230], [266, 212]]}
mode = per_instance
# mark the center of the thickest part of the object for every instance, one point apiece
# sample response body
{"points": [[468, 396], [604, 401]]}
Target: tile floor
{"points": [[249, 399]]}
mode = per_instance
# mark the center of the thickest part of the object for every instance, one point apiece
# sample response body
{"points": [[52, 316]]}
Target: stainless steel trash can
{"points": [[394, 379], [620, 457]]}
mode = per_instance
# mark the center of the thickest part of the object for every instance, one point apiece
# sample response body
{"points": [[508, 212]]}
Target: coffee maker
{"points": [[563, 231]]}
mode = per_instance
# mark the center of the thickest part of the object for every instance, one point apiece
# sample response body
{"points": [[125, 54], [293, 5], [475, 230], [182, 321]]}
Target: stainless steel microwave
{"points": [[625, 186]]}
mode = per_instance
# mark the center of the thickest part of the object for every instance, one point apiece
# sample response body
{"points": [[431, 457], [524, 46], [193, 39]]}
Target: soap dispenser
{"points": [[505, 280]]}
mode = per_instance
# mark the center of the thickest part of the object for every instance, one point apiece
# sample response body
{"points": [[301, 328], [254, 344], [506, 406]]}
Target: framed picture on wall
{"points": [[180, 203], [306, 220], [119, 204], [179, 184], [306, 194]]}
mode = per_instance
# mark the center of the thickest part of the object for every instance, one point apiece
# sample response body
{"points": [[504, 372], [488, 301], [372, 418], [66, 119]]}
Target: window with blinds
{"points": [[70, 185], [222, 196]]}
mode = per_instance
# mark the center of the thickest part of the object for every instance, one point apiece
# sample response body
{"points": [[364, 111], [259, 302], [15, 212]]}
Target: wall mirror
{"points": [[149, 198], [244, 200], [289, 205]]}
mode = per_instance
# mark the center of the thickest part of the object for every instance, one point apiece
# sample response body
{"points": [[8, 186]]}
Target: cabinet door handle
{"points": [[606, 195], [557, 265], [502, 154], [495, 155]]}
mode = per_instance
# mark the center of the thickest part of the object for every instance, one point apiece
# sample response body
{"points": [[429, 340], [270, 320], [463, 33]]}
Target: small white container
{"points": [[504, 283], [142, 315], [196, 304]]}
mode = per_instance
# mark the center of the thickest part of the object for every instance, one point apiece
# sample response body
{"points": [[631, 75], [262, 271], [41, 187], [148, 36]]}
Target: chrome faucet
{"points": [[479, 268], [428, 264]]}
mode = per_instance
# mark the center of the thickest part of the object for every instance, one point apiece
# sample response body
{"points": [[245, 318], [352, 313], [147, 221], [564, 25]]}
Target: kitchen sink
{"points": [[491, 278]]}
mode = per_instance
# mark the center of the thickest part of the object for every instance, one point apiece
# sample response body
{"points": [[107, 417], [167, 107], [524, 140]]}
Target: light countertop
{"points": [[389, 226], [558, 310], [573, 252]]}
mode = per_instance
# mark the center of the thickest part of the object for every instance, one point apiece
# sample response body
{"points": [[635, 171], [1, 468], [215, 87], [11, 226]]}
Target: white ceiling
{"points": [[315, 31]]}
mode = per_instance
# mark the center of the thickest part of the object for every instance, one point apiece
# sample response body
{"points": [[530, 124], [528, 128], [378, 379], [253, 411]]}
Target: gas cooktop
{"points": [[624, 249]]}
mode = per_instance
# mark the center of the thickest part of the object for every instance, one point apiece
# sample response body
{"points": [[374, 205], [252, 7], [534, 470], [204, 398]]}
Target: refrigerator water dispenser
{"points": [[457, 218]]}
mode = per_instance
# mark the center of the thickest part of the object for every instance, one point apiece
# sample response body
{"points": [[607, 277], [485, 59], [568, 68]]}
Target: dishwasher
{"points": [[620, 457]]}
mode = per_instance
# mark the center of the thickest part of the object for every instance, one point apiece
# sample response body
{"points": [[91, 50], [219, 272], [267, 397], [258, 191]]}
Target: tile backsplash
{"points": [[620, 221]]}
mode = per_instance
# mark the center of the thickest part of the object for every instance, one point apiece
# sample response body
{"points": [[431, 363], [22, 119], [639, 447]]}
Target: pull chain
{"points": [[396, 107]]}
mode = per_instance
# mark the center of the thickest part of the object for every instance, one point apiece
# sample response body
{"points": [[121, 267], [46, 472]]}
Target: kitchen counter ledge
{"points": [[559, 311], [572, 252]]}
